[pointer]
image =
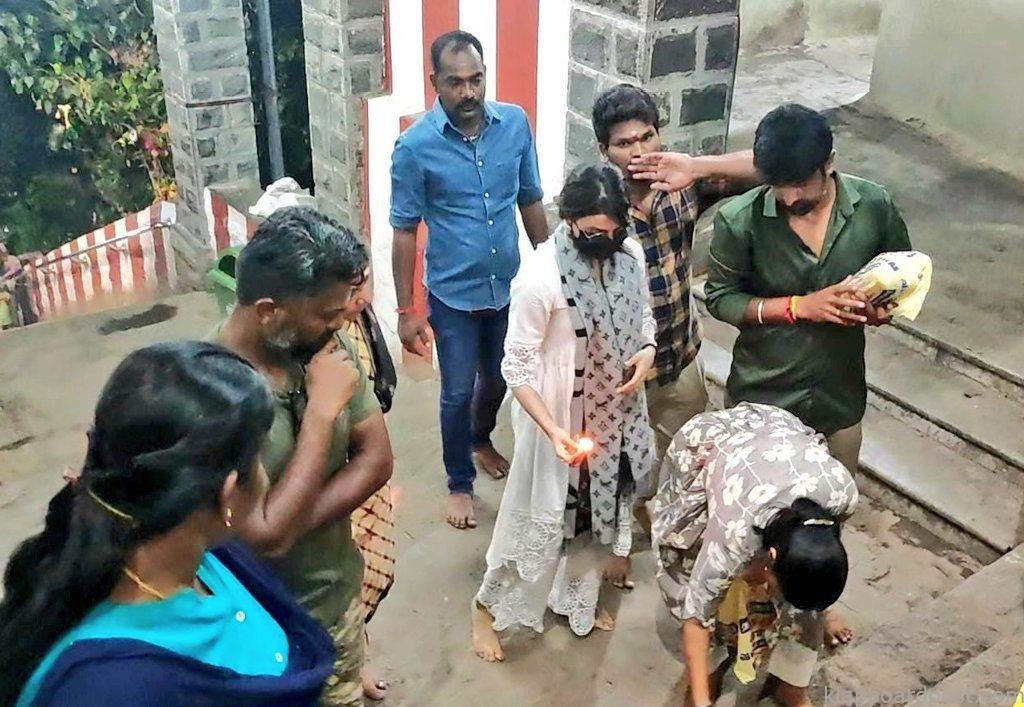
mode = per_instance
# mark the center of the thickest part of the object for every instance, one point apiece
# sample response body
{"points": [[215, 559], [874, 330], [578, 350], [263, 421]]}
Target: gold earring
{"points": [[227, 517]]}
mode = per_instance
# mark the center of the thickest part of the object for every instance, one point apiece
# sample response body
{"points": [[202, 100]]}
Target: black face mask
{"points": [[600, 247]]}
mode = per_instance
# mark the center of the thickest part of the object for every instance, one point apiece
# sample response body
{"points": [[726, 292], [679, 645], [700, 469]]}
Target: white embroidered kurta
{"points": [[530, 567]]}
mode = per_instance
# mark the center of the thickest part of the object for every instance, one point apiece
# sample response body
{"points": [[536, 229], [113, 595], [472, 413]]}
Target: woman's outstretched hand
{"points": [[565, 446], [640, 364]]}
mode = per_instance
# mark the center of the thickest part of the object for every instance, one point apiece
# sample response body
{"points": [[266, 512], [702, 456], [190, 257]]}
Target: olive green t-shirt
{"points": [[323, 568], [816, 371]]}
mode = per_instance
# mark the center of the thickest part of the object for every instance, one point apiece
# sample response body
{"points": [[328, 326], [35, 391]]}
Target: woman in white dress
{"points": [[579, 345]]}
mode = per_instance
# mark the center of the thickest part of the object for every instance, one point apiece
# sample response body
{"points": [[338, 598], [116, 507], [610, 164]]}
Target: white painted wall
{"points": [[955, 67], [478, 17]]}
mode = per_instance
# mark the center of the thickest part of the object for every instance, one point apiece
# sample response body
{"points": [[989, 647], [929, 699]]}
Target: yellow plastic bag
{"points": [[902, 277], [733, 610]]}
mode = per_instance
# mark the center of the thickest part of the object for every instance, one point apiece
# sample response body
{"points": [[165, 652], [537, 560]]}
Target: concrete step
{"points": [[961, 502], [967, 363], [948, 489], [919, 652], [993, 678], [946, 405]]}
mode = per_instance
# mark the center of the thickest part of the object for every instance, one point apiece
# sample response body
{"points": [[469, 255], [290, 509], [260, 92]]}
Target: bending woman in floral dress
{"points": [[580, 343], [746, 525]]}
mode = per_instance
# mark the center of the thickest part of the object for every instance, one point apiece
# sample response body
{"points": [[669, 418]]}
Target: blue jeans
{"points": [[470, 346]]}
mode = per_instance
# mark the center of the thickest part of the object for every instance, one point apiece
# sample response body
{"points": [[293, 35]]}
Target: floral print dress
{"points": [[725, 475]]}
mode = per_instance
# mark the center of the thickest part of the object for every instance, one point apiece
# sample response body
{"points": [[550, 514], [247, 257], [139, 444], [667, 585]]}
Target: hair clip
{"points": [[116, 512], [819, 521]]}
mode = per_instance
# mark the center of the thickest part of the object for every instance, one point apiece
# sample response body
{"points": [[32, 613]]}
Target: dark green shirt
{"points": [[816, 371]]}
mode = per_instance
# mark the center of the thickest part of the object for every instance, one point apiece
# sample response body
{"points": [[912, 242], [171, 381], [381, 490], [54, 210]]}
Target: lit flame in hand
{"points": [[585, 445]]}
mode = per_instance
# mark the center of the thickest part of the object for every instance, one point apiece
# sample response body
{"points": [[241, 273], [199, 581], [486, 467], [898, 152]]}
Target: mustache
{"points": [[801, 207], [466, 105]]}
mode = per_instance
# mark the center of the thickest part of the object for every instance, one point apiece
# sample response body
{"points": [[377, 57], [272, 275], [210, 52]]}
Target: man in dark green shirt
{"points": [[781, 258]]}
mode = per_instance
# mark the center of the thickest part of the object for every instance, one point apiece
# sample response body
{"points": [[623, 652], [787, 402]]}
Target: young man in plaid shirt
{"points": [[663, 215]]}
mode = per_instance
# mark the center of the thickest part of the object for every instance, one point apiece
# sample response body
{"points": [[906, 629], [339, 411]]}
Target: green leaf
{"points": [[58, 43]]}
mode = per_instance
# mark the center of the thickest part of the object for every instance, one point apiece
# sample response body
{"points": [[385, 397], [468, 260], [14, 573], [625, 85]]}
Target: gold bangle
{"points": [[792, 306]]}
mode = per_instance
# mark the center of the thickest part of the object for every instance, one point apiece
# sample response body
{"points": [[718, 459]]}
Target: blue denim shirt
{"points": [[466, 190]]}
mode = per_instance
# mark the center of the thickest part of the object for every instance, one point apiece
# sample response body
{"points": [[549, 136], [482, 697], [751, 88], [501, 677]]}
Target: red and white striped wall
{"points": [[107, 267], [526, 50], [227, 225]]}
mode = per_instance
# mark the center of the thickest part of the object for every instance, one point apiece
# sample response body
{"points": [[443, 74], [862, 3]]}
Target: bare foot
{"points": [[373, 688], [604, 621], [485, 640], [459, 511], [836, 631], [616, 571], [487, 459]]}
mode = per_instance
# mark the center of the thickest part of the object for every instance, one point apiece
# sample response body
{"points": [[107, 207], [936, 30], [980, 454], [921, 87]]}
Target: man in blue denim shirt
{"points": [[462, 168]]}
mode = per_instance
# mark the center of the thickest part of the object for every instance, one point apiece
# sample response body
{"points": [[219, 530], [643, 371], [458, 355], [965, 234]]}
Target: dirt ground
{"points": [[50, 376]]}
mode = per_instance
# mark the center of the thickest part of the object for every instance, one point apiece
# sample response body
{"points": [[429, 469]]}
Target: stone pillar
{"points": [[344, 65], [682, 51], [205, 67]]}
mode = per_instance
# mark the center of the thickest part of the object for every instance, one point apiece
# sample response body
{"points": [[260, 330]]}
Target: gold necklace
{"points": [[143, 586]]}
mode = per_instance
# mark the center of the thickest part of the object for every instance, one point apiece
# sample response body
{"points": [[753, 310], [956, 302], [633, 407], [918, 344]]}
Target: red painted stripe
{"points": [[163, 273], [113, 258], [135, 257], [222, 238], [138, 258], [51, 299], [439, 16], [37, 289], [518, 26], [62, 285], [94, 265], [76, 271]]}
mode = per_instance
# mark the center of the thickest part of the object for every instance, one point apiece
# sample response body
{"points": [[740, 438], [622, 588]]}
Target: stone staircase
{"points": [[943, 442], [943, 447], [961, 648]]}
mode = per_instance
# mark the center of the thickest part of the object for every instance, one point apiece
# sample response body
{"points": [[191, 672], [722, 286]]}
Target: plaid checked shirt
{"points": [[666, 234]]}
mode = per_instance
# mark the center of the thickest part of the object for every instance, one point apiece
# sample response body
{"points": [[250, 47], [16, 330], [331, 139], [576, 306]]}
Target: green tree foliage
{"points": [[46, 197], [90, 67]]}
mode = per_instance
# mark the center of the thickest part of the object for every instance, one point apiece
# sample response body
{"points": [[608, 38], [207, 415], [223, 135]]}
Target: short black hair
{"points": [[592, 189], [457, 40], [619, 104], [811, 563], [792, 142], [298, 252]]}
